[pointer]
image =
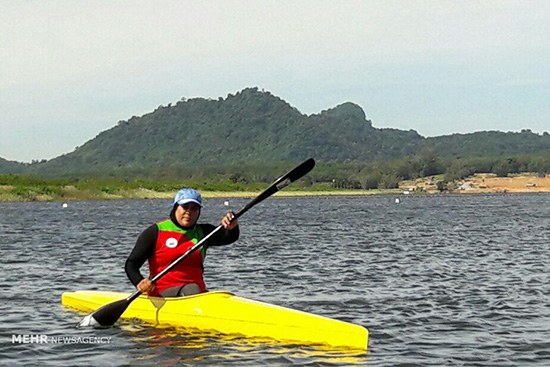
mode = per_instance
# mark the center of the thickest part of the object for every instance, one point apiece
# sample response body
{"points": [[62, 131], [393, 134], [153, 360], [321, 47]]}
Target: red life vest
{"points": [[172, 242]]}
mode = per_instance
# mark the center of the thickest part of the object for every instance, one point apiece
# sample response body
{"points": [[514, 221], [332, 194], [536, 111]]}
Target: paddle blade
{"points": [[107, 315], [299, 171], [280, 183]]}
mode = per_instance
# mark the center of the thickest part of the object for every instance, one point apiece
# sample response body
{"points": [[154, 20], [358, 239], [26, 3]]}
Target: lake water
{"points": [[437, 280]]}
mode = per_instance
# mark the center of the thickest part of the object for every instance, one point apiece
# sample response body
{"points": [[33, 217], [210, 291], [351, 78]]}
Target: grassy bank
{"points": [[72, 194], [27, 188]]}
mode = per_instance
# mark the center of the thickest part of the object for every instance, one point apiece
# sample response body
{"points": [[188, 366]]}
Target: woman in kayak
{"points": [[165, 241]]}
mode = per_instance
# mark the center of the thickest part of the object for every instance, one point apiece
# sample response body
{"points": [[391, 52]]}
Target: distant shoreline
{"points": [[477, 184], [76, 195]]}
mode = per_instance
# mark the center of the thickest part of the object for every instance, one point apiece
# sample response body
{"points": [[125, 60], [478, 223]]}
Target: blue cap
{"points": [[186, 196]]}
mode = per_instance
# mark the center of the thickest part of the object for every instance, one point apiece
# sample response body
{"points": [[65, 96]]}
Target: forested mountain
{"points": [[11, 166], [255, 127], [489, 143]]}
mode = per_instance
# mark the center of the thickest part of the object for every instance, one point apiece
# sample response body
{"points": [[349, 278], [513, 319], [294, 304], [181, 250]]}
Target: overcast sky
{"points": [[71, 69]]}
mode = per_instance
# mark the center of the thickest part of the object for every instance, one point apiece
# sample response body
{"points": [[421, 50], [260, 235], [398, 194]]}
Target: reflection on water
{"points": [[439, 280], [196, 345]]}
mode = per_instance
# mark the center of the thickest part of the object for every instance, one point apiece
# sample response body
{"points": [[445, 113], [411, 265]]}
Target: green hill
{"points": [[250, 127], [254, 127], [11, 166]]}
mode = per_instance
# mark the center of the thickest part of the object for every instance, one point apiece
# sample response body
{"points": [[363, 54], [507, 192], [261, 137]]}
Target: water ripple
{"points": [[437, 280]]}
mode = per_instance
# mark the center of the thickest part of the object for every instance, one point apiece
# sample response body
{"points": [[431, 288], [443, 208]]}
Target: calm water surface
{"points": [[438, 281]]}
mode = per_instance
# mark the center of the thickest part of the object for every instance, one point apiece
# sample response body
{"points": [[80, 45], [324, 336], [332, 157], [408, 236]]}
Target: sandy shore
{"points": [[489, 183], [485, 183]]}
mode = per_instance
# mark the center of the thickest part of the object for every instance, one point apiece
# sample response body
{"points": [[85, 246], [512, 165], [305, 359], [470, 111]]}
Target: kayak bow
{"points": [[225, 313]]}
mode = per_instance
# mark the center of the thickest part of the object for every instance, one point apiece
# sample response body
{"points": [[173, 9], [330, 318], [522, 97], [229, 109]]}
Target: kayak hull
{"points": [[225, 313]]}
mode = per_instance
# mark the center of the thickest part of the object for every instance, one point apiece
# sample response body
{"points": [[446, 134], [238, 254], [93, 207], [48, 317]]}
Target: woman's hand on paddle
{"points": [[145, 286], [226, 221]]}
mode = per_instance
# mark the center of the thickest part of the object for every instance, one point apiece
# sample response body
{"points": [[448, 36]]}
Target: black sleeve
{"points": [[220, 238], [144, 248]]}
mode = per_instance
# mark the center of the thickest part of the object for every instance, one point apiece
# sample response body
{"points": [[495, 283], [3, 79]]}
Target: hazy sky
{"points": [[71, 69]]}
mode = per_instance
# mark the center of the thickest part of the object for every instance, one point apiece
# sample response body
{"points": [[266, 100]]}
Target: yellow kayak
{"points": [[225, 313]]}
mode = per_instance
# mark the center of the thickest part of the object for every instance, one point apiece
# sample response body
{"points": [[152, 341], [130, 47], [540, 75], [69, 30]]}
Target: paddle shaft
{"points": [[277, 185], [108, 314]]}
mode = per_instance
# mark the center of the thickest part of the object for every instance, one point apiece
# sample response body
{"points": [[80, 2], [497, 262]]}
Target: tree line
{"points": [[388, 174], [385, 174]]}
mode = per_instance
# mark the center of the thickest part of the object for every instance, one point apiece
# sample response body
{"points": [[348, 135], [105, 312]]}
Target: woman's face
{"points": [[188, 214]]}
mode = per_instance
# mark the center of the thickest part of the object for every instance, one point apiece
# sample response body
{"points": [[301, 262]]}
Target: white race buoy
{"points": [[65, 205], [397, 201], [226, 203]]}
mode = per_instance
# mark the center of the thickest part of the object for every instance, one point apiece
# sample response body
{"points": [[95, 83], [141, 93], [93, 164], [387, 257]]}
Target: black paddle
{"points": [[110, 313]]}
